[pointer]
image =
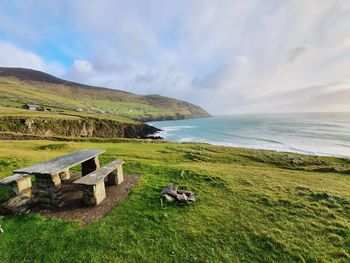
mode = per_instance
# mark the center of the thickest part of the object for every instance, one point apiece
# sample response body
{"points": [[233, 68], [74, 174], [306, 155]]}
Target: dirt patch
{"points": [[75, 209]]}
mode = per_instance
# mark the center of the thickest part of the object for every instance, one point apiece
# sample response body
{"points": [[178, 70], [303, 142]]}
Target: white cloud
{"points": [[13, 56], [83, 67], [228, 56], [81, 71]]}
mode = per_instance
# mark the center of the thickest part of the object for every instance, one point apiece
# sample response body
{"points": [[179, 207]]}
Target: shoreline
{"points": [[228, 144], [8, 136], [322, 136]]}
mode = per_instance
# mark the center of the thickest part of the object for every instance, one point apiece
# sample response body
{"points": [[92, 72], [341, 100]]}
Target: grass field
{"points": [[15, 112], [66, 115], [253, 206]]}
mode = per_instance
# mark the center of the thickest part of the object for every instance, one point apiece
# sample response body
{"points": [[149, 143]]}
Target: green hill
{"points": [[19, 86]]}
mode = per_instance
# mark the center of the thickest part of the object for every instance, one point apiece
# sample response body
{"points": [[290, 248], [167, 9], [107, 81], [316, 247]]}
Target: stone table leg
{"points": [[90, 166], [49, 189]]}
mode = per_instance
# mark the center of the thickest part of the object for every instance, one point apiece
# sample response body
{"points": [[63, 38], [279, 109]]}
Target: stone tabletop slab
{"points": [[60, 164]]}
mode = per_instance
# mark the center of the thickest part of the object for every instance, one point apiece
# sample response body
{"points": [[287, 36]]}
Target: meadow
{"points": [[253, 206]]}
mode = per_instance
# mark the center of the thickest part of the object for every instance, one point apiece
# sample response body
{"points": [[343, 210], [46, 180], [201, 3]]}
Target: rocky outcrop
{"points": [[84, 127]]}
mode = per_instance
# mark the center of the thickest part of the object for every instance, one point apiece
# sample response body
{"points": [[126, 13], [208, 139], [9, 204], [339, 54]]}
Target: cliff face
{"points": [[89, 127]]}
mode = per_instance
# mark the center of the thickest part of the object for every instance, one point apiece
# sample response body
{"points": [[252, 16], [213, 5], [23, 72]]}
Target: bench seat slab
{"points": [[13, 178], [99, 174], [94, 191], [19, 184]]}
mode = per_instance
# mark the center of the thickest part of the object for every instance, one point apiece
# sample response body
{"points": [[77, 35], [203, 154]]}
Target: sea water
{"points": [[311, 133]]}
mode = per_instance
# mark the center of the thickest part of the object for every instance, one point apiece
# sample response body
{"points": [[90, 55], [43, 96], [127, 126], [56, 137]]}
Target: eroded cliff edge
{"points": [[86, 127]]}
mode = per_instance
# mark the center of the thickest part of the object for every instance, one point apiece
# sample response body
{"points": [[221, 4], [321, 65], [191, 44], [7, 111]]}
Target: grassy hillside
{"points": [[253, 206], [18, 86]]}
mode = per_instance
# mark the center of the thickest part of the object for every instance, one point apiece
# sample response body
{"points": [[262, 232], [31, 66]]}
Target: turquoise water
{"points": [[316, 133]]}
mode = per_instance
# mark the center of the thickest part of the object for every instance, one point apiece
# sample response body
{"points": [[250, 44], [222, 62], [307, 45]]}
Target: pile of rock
{"points": [[172, 194]]}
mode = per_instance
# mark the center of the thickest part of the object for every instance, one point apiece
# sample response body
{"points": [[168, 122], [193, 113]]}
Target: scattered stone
{"points": [[186, 192], [172, 194], [191, 198], [2, 217], [170, 190], [1, 230], [169, 198], [181, 198]]}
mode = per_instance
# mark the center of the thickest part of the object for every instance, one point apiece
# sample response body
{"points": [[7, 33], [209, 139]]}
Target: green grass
{"points": [[59, 114], [253, 206]]}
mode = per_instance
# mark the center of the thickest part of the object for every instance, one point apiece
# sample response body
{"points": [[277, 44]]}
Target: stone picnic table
{"points": [[50, 174]]}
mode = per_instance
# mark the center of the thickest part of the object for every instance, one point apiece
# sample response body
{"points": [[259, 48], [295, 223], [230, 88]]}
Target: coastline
{"points": [[324, 134]]}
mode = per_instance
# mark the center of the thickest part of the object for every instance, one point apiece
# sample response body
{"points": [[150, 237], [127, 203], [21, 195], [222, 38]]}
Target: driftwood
{"points": [[172, 194]]}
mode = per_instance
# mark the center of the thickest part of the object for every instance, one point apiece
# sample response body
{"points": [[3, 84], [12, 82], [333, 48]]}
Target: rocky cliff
{"points": [[88, 127]]}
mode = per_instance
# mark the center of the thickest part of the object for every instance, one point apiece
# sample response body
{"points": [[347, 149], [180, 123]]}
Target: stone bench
{"points": [[94, 191], [20, 195], [20, 184]]}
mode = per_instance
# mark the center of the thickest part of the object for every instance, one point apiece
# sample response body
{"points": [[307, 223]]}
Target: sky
{"points": [[228, 56]]}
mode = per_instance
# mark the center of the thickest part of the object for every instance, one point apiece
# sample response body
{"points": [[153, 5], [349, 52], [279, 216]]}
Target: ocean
{"points": [[310, 133]]}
